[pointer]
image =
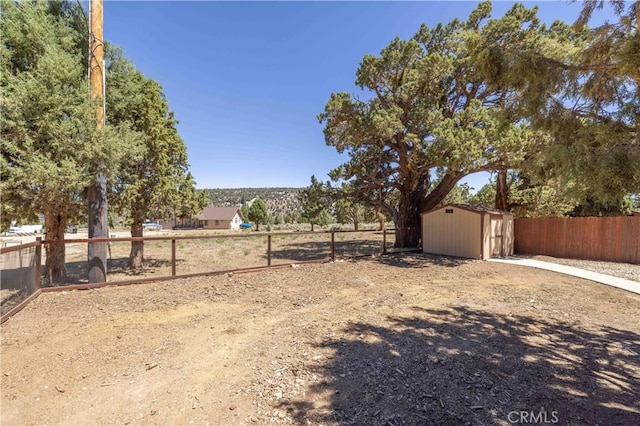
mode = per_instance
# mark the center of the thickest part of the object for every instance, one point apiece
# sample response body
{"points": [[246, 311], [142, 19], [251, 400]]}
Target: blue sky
{"points": [[247, 79]]}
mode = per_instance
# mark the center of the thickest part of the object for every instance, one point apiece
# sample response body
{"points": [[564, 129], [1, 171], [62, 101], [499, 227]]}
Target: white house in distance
{"points": [[220, 218]]}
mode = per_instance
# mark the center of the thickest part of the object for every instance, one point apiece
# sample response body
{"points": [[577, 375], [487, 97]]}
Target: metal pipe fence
{"points": [[170, 257], [20, 276]]}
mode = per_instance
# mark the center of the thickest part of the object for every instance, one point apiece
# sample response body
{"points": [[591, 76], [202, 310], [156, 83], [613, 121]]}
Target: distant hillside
{"points": [[279, 201]]}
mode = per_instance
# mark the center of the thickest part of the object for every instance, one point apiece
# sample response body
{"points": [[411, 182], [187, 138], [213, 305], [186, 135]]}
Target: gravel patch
{"points": [[621, 270]]}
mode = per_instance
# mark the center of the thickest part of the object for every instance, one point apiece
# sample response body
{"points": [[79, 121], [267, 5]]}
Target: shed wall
{"points": [[486, 236], [452, 234], [509, 236], [496, 235]]}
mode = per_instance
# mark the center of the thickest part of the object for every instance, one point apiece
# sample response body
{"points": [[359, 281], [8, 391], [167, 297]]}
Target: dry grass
{"points": [[217, 251]]}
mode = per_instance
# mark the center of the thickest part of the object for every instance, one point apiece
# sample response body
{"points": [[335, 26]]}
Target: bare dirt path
{"points": [[406, 339]]}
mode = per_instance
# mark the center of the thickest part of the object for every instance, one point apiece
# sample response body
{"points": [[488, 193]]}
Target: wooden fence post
{"points": [[173, 257], [333, 246], [269, 250], [38, 262], [384, 240]]}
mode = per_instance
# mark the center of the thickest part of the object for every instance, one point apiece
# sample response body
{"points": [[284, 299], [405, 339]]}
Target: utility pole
{"points": [[97, 252]]}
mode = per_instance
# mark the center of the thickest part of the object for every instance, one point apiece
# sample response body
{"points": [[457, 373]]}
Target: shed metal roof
{"points": [[470, 208]]}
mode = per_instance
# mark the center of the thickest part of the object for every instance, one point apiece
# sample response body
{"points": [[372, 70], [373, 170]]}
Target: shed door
{"points": [[496, 236]]}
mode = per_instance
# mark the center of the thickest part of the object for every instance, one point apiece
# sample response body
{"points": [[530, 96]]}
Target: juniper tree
{"points": [[258, 213], [429, 117], [157, 183], [582, 87], [315, 204], [50, 150]]}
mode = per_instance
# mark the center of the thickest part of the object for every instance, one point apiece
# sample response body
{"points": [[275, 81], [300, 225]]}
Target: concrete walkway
{"points": [[622, 283]]}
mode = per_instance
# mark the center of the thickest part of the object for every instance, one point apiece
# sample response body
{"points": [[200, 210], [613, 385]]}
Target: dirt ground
{"points": [[401, 340]]}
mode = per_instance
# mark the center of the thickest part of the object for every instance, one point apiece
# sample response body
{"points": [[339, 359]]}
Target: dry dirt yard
{"points": [[401, 340]]}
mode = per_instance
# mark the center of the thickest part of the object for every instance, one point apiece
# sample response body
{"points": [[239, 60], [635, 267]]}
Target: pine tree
{"points": [[50, 150], [258, 213]]}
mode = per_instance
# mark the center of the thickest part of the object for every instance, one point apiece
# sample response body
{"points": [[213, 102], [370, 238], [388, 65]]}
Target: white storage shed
{"points": [[467, 231]]}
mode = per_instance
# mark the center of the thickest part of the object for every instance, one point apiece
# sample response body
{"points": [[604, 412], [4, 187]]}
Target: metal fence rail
{"points": [[20, 273], [171, 257]]}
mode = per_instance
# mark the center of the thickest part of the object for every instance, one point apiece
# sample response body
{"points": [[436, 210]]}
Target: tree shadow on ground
{"points": [[121, 265], [467, 366], [318, 250], [16, 284], [77, 271], [421, 260]]}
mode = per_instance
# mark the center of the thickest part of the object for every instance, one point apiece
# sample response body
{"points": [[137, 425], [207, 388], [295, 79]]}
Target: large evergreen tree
{"points": [[432, 117], [49, 152], [156, 184], [50, 149], [583, 89]]}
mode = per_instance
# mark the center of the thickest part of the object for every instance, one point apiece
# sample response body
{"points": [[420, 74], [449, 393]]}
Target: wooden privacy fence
{"points": [[615, 239]]}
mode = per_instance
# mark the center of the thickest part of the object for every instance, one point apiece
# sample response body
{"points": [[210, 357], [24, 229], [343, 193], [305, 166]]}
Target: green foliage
{"points": [[291, 217], [157, 183], [324, 218], [279, 201], [527, 198], [460, 194], [348, 211], [244, 211], [581, 87], [591, 207], [258, 213], [349, 206], [46, 119], [433, 117], [50, 148], [188, 201], [611, 85], [485, 197], [315, 204]]}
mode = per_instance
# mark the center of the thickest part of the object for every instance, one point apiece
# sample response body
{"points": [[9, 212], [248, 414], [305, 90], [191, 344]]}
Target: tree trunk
{"points": [[502, 191], [136, 256], [408, 223], [55, 225], [312, 227], [381, 224], [439, 193], [356, 223]]}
